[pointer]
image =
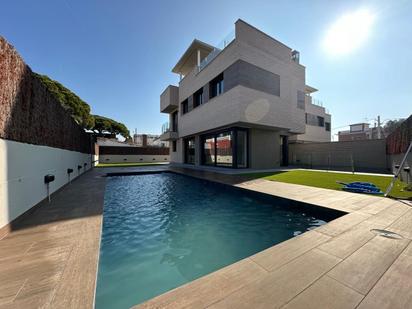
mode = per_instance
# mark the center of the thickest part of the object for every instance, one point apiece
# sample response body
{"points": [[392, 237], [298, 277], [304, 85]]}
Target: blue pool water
{"points": [[163, 230]]}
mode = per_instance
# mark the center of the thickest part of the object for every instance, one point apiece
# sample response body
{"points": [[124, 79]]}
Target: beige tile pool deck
{"points": [[49, 259]]}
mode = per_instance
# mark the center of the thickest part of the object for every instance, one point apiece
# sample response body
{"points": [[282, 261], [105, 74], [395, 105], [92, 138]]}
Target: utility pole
{"points": [[379, 127]]}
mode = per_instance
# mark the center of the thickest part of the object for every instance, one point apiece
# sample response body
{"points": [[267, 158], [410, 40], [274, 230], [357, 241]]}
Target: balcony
{"points": [[167, 133], [169, 99]]}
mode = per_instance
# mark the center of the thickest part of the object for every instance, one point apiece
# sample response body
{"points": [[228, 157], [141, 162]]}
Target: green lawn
{"points": [[328, 180], [130, 164]]}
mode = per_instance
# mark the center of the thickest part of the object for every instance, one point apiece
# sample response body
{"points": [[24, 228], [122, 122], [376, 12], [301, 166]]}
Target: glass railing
{"points": [[165, 127], [217, 50]]}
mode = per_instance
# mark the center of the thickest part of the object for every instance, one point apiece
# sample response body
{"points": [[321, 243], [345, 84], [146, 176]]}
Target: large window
{"points": [[216, 86], [209, 157], [327, 126], [224, 155], [189, 144], [198, 98], [227, 148]]}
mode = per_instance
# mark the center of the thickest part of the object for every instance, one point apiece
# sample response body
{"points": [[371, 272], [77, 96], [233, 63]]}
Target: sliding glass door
{"points": [[189, 146], [224, 147], [228, 148], [209, 155]]}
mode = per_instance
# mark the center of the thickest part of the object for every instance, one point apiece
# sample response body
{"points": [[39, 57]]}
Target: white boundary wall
{"points": [[22, 170], [133, 158]]}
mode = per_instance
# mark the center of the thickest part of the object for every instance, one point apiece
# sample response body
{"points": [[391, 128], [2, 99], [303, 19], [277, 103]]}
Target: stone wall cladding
{"points": [[29, 113]]}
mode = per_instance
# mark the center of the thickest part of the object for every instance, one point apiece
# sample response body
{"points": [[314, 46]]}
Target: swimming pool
{"points": [[163, 230]]}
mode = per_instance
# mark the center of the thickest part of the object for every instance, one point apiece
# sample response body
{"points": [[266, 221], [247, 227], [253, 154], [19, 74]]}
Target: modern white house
{"points": [[239, 104]]}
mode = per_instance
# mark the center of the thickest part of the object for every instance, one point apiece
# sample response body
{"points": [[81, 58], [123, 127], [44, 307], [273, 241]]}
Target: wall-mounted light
{"points": [[69, 171], [47, 180]]}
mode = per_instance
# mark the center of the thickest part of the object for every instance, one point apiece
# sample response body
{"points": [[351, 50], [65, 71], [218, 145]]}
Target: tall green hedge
{"points": [[80, 110]]}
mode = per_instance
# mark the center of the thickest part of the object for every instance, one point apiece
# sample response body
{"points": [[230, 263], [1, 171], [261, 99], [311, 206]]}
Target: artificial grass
{"points": [[328, 180], [130, 164]]}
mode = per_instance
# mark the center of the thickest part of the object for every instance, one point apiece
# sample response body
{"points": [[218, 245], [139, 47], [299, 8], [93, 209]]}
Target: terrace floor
{"points": [[49, 259]]}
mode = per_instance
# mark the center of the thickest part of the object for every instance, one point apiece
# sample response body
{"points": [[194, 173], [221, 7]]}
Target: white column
{"points": [[198, 57]]}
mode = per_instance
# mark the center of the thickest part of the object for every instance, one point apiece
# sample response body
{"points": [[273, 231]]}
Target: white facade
{"points": [[22, 170]]}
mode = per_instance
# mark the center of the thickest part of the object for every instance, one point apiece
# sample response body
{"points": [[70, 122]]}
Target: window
{"points": [[301, 100], [314, 120], [174, 146], [327, 126], [209, 157], [224, 154], [216, 86], [241, 148], [189, 144], [174, 122], [185, 106], [227, 149], [321, 121], [198, 98]]}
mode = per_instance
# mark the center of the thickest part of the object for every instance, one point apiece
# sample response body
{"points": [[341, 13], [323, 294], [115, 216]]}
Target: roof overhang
{"points": [[309, 89], [189, 58]]}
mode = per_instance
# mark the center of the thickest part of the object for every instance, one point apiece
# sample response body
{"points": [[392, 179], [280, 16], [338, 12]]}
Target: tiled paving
{"points": [[339, 265], [49, 260]]}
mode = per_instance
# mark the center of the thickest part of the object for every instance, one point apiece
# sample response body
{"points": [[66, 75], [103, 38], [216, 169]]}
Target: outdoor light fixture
{"points": [[69, 171], [79, 167], [47, 180]]}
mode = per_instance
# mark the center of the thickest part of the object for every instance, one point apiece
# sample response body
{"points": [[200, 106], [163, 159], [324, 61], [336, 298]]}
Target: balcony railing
{"points": [[165, 127], [217, 50]]}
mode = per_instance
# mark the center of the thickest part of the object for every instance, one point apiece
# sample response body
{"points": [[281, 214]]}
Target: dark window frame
{"points": [[234, 132], [198, 98], [186, 143], [185, 106], [327, 126], [321, 121], [217, 86], [175, 121]]}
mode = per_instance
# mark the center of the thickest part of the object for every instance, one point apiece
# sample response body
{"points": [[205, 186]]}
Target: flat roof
{"points": [[189, 58]]}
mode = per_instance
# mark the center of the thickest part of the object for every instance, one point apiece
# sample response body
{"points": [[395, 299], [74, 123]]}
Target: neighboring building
{"points": [[238, 105], [359, 131], [104, 141], [143, 140], [317, 121]]}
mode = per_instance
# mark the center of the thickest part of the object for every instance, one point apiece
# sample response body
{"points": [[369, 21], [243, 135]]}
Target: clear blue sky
{"points": [[118, 55]]}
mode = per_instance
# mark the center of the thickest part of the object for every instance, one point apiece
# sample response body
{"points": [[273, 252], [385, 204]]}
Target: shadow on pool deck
{"points": [[74, 200]]}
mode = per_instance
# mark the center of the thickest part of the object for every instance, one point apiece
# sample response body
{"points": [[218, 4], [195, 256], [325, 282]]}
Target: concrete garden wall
{"points": [[367, 155]]}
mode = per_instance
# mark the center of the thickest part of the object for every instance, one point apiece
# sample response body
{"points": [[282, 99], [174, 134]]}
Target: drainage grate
{"points": [[387, 234]]}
